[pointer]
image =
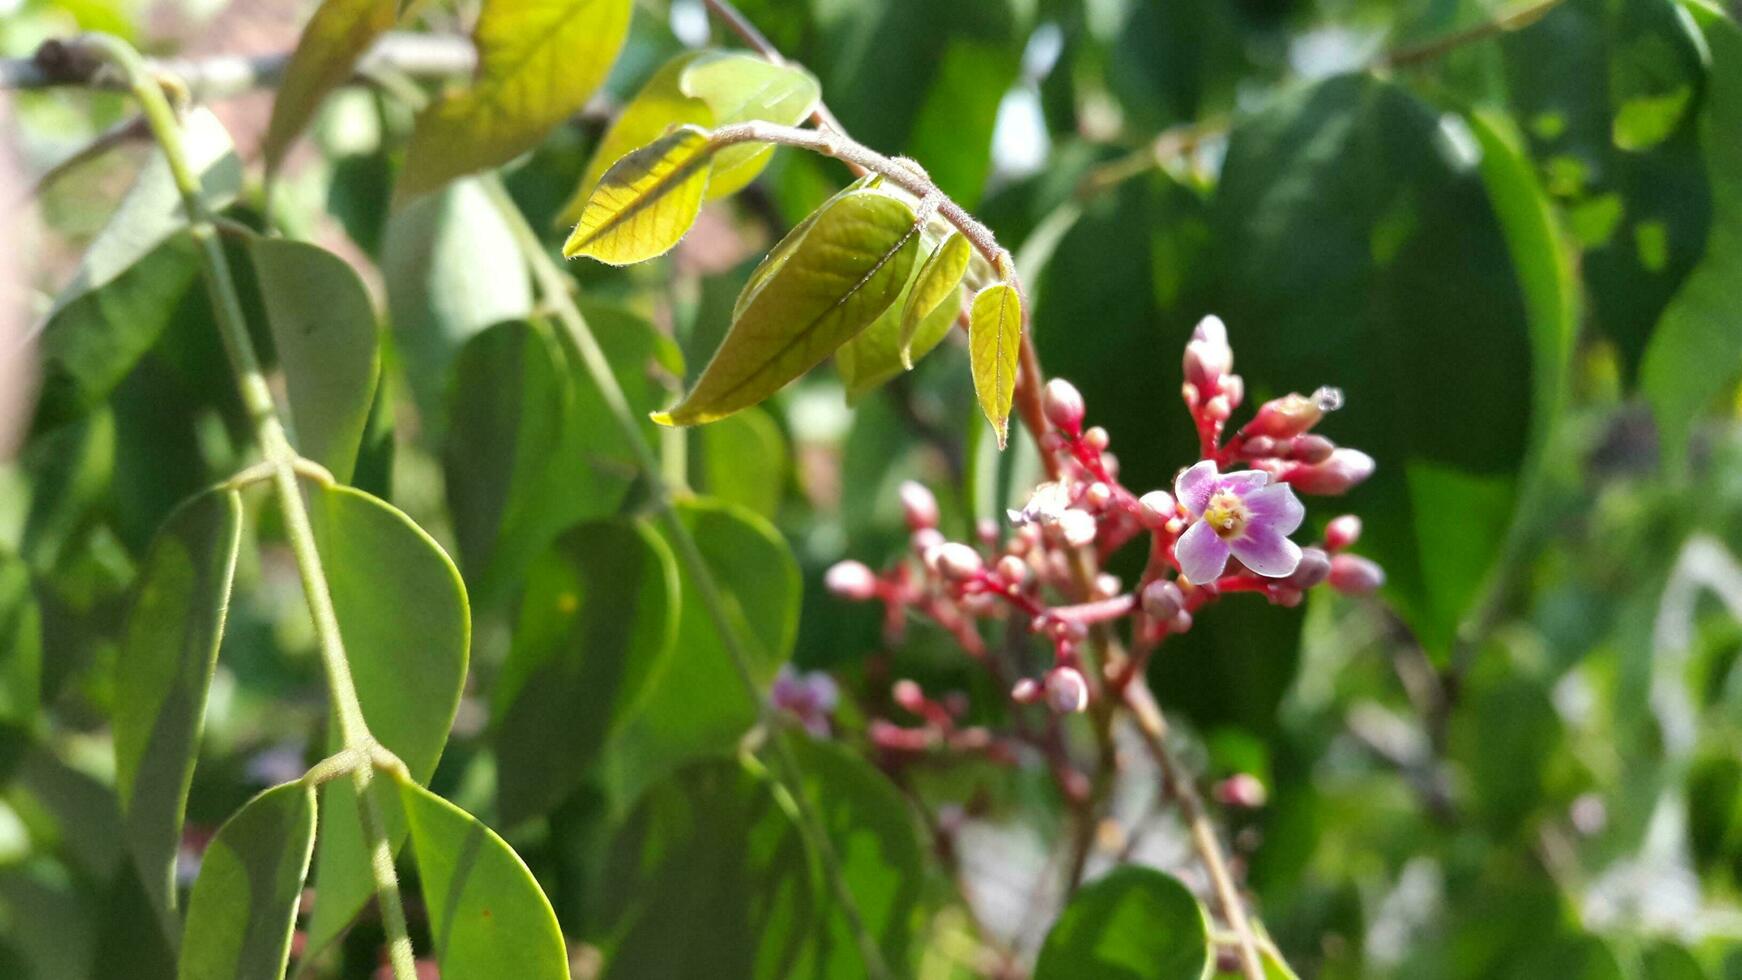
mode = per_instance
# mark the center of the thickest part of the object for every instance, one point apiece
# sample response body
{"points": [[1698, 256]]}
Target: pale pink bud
{"points": [[1314, 567], [908, 695], [918, 506], [1110, 463], [1098, 495], [1342, 532], [1285, 417], [1026, 691], [987, 530], [1312, 448], [1012, 569], [1234, 389], [1156, 508], [1354, 575], [851, 580], [1337, 474], [1208, 357], [957, 561], [1066, 690], [1078, 527], [1258, 446], [1241, 790], [1181, 622], [1106, 585], [1097, 438], [924, 540], [1063, 404], [1218, 409], [1162, 600]]}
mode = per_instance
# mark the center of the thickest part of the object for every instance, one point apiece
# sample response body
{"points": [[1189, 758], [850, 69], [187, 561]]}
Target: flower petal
{"points": [[1276, 507], [1201, 554], [1243, 482], [1266, 551], [1193, 487]]}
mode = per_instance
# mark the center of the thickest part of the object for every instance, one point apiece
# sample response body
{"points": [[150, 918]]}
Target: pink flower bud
{"points": [[1342, 532], [1218, 409], [1013, 569], [1286, 417], [1234, 389], [1063, 405], [1354, 575], [1106, 585], [1342, 470], [1162, 600], [1110, 463], [918, 506], [1314, 567], [1078, 527], [1097, 438], [956, 561], [1098, 495], [1311, 448], [987, 530], [1066, 690], [924, 540], [908, 695], [1257, 446], [1241, 790], [1155, 509], [1208, 357], [1026, 691], [851, 580], [1181, 622]]}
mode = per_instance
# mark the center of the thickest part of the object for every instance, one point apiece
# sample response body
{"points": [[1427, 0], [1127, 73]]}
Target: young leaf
{"points": [[243, 907], [336, 37], [875, 356], [660, 105], [324, 329], [848, 267], [1135, 924], [596, 627], [994, 342], [646, 202], [538, 62], [488, 918], [168, 650], [407, 631], [776, 258], [938, 279], [741, 88]]}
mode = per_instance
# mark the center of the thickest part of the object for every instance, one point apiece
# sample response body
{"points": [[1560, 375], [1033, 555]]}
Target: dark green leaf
{"points": [[1135, 924], [244, 903], [20, 645]]}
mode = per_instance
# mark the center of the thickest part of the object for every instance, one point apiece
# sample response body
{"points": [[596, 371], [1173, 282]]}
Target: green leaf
{"points": [[646, 202], [744, 461], [402, 613], [1134, 924], [168, 651], [1698, 344], [538, 63], [338, 34], [739, 88], [323, 327], [488, 918], [709, 711], [937, 282], [596, 628], [243, 907], [656, 109], [20, 645], [994, 346], [875, 356], [849, 266]]}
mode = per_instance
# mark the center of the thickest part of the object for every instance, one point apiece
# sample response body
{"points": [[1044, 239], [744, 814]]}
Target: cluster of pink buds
{"points": [[938, 727], [1225, 526]]}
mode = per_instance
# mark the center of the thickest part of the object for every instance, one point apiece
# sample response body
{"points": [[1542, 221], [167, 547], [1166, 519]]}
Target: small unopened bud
{"points": [[908, 695], [1218, 409], [1066, 690], [1180, 623], [1078, 527], [1026, 691], [1106, 585], [1013, 569], [1314, 567], [1208, 357], [1241, 790], [986, 529], [1342, 532], [1162, 600], [1354, 575], [1098, 495], [1097, 438], [918, 506], [1337, 474], [1110, 463], [1063, 404], [924, 540], [1312, 448], [1256, 446], [957, 561], [851, 580], [1285, 417], [1234, 389]]}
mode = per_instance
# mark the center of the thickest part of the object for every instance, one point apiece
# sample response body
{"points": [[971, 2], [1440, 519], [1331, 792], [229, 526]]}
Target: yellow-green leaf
{"points": [[777, 256], [938, 279], [646, 202], [741, 88], [659, 106], [994, 340], [876, 355], [538, 62], [336, 36], [849, 266]]}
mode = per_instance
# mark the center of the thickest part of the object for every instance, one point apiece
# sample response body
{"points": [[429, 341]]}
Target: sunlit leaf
{"points": [[407, 631], [488, 918], [994, 345], [660, 105], [936, 282], [875, 356], [162, 675], [850, 265], [597, 622], [741, 88], [337, 35], [646, 202], [1134, 924], [244, 903], [538, 62], [323, 327], [744, 461]]}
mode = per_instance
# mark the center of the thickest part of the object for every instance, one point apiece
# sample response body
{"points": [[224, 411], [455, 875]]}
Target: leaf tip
{"points": [[663, 418]]}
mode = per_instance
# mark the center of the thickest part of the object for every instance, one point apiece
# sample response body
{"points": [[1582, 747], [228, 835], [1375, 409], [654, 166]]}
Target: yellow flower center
{"points": [[1226, 514]]}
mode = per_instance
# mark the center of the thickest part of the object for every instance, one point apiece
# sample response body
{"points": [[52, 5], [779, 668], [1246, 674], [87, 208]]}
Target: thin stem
{"points": [[1500, 23], [554, 284], [275, 446]]}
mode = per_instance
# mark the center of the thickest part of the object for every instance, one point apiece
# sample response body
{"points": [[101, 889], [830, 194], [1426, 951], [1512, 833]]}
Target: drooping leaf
{"points": [[488, 917], [646, 202], [402, 614], [244, 903], [849, 266], [936, 282], [538, 62], [323, 327], [875, 356], [655, 110], [1698, 344], [337, 36], [162, 675], [597, 622], [1134, 924], [994, 346], [744, 461], [740, 88], [709, 711]]}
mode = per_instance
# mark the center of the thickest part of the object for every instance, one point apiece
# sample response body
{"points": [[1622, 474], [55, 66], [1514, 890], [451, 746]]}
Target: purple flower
{"points": [[1242, 514]]}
